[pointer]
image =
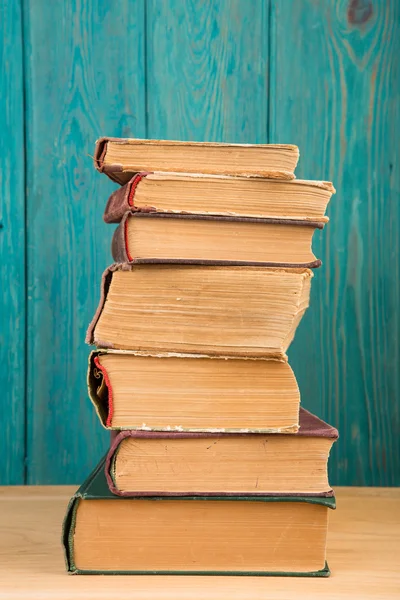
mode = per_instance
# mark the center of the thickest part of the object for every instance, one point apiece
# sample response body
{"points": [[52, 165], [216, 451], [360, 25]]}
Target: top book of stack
{"points": [[209, 203], [120, 158]]}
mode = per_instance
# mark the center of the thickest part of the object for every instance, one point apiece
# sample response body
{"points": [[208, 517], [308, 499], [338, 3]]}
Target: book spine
{"points": [[122, 200], [119, 244], [68, 525], [110, 401], [100, 404], [105, 284], [99, 153]]}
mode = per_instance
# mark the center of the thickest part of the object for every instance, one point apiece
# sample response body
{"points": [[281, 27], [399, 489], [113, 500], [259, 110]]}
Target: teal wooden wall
{"points": [[321, 74]]}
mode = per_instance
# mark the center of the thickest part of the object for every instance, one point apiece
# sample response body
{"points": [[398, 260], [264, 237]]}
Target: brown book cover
{"points": [[184, 249], [310, 426], [115, 158], [123, 200], [221, 195]]}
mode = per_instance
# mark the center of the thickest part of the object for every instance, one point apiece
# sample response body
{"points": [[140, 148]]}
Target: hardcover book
{"points": [[163, 237], [192, 392], [192, 535], [223, 195], [120, 158], [148, 463], [228, 311]]}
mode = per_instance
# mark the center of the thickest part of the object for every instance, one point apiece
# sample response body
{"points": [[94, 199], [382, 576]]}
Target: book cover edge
{"points": [[325, 572]]}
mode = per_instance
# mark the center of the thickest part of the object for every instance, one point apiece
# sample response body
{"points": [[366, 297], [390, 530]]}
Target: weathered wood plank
{"points": [[208, 70], [12, 246], [335, 92], [85, 78]]}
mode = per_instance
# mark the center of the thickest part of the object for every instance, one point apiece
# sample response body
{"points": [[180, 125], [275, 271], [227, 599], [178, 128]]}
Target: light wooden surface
{"points": [[363, 554]]}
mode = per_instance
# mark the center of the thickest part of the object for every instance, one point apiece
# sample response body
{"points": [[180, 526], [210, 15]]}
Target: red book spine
{"points": [[134, 182]]}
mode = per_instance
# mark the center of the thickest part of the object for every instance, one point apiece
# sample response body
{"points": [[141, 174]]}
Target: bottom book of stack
{"points": [[181, 512]]}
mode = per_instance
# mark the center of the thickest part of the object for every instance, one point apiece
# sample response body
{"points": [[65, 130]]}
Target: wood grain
{"points": [[363, 550], [12, 246], [84, 77], [324, 75], [207, 70], [335, 92]]}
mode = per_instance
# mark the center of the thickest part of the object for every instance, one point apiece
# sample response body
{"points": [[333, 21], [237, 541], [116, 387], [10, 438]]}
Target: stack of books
{"points": [[213, 467]]}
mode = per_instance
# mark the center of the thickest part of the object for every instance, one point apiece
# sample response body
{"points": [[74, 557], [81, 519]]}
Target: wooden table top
{"points": [[363, 554]]}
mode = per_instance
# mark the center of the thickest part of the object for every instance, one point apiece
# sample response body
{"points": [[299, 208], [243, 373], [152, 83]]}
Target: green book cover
{"points": [[95, 488]]}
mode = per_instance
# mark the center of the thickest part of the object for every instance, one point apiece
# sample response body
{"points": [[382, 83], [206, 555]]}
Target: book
{"points": [[220, 195], [178, 392], [164, 237], [229, 311], [120, 158], [148, 463], [192, 535]]}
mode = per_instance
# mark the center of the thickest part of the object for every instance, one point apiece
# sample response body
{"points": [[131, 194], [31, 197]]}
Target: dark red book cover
{"points": [[310, 426], [121, 251]]}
